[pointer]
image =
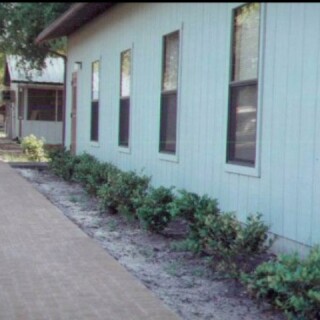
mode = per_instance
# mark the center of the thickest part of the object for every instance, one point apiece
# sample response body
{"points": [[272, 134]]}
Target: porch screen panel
{"points": [[41, 105]]}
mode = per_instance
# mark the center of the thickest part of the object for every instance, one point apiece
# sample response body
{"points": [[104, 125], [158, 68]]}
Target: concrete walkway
{"points": [[51, 270]]}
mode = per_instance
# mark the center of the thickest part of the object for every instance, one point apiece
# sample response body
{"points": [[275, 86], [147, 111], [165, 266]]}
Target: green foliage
{"points": [[124, 192], [253, 236], [154, 212], [62, 163], [91, 173], [289, 283], [21, 23], [232, 244], [33, 148], [189, 205], [220, 235], [194, 209]]}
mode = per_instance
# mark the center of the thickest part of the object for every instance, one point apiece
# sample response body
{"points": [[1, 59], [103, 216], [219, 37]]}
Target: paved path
{"points": [[51, 270]]}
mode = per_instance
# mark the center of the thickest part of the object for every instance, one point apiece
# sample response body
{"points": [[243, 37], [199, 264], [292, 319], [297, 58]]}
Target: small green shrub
{"points": [[232, 244], [289, 283], [62, 163], [154, 213], [124, 192], [194, 209], [33, 148], [83, 167], [101, 173], [253, 236], [91, 173], [190, 206]]}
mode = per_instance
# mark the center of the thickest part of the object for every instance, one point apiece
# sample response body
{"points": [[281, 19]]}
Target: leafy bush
{"points": [[33, 148], [231, 244], [190, 206], [83, 167], [253, 236], [101, 173], [62, 163], [154, 212], [124, 192], [194, 209], [91, 173], [289, 283], [234, 244]]}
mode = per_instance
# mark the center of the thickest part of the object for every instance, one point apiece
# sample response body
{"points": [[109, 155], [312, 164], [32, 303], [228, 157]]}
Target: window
{"points": [[243, 87], [168, 114], [95, 101], [124, 110], [44, 105]]}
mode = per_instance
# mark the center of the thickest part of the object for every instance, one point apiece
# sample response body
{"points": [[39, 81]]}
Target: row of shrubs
{"points": [[288, 282]]}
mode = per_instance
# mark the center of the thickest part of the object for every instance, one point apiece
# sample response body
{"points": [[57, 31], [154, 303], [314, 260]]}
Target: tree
{"points": [[20, 24]]}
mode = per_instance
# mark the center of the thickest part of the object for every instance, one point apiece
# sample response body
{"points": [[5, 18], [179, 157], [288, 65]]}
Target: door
{"points": [[74, 114]]}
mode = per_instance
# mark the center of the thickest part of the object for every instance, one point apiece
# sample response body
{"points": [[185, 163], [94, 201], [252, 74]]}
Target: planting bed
{"points": [[184, 282]]}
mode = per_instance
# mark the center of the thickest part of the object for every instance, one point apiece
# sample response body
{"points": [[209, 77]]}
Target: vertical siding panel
{"points": [[210, 39], [243, 197], [292, 123], [315, 219], [307, 116], [253, 200], [278, 113], [201, 106], [267, 111], [221, 101], [190, 106]]}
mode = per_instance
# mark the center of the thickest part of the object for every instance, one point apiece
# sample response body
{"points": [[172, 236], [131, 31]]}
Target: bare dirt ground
{"points": [[184, 282]]}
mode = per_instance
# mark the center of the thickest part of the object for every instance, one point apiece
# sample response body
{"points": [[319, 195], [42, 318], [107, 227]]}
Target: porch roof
{"points": [[52, 74]]}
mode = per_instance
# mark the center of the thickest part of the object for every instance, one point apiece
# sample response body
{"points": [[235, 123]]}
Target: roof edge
{"points": [[74, 18], [72, 11]]}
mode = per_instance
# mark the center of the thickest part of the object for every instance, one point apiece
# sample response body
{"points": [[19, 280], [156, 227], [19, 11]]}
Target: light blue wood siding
{"points": [[287, 190]]}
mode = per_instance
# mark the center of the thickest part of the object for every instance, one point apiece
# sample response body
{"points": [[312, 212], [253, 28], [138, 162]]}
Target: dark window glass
{"points": [[124, 109], [94, 120], [168, 118], [243, 118], [243, 87], [124, 122], [168, 122]]}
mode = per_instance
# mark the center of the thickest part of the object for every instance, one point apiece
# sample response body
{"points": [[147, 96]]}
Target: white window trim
{"points": [[94, 144], [126, 150], [238, 168]]}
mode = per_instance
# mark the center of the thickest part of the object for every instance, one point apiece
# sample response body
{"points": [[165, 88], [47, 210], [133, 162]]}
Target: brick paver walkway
{"points": [[51, 270]]}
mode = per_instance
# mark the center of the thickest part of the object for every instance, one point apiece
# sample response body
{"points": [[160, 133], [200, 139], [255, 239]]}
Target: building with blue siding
{"points": [[216, 98]]}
